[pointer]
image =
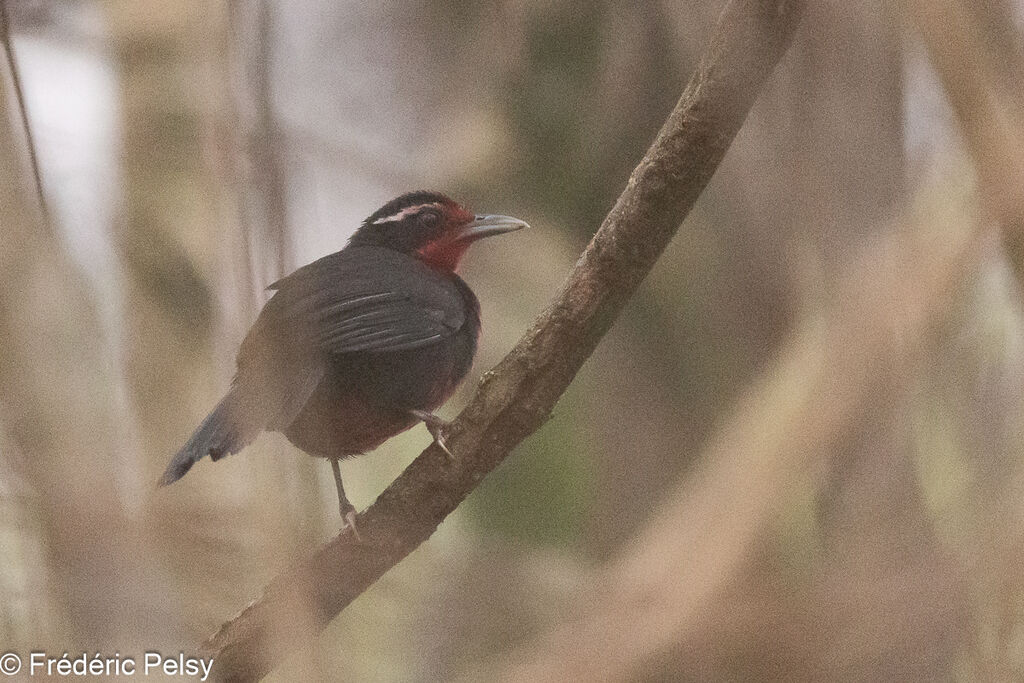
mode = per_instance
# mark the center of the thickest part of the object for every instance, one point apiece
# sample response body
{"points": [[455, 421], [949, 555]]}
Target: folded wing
{"points": [[359, 300]]}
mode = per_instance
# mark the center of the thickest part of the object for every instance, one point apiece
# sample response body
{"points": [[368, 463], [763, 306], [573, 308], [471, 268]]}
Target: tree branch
{"points": [[661, 593], [516, 398]]}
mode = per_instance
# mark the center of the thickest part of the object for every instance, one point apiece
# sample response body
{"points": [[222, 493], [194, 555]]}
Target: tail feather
{"points": [[220, 434]]}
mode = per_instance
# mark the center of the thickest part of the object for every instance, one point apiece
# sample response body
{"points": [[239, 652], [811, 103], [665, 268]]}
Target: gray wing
{"points": [[359, 300], [371, 299]]}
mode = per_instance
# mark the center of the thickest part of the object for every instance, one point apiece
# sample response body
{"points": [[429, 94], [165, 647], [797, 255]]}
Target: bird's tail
{"points": [[222, 433]]}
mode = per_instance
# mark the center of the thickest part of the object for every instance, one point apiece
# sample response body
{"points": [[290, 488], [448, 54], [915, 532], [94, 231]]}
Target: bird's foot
{"points": [[435, 426], [348, 519], [347, 510]]}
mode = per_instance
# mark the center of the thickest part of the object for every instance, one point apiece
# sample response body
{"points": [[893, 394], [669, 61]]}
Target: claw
{"points": [[439, 440], [350, 525], [434, 425]]}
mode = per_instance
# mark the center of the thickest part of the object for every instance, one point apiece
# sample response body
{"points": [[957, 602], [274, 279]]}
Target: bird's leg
{"points": [[347, 510], [434, 425]]}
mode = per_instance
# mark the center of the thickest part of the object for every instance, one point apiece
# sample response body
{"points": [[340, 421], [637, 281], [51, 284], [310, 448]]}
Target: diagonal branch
{"points": [[515, 398], [663, 592], [26, 125]]}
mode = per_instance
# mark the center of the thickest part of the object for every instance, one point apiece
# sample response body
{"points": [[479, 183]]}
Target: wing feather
{"points": [[358, 300], [369, 299]]}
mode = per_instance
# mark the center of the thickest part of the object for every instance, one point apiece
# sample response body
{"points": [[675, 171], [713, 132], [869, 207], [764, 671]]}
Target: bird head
{"points": [[430, 226]]}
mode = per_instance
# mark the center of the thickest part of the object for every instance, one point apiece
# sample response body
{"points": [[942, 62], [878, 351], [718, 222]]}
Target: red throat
{"points": [[443, 254], [447, 250]]}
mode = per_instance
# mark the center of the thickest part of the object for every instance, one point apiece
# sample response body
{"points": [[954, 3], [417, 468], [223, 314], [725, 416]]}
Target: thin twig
{"points": [[517, 396], [266, 142], [19, 94]]}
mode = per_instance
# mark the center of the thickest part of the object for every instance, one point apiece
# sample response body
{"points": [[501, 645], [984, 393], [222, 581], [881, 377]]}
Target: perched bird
{"points": [[359, 345]]}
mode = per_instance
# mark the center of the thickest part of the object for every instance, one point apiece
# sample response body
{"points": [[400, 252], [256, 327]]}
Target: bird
{"points": [[359, 345]]}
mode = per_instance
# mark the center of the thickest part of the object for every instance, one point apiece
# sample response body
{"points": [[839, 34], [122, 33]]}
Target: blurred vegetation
{"points": [[902, 565]]}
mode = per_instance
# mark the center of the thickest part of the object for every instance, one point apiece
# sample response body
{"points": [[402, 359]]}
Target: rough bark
{"points": [[662, 595], [517, 397]]}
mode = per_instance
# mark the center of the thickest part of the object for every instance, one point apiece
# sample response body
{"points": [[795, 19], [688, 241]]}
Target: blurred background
{"points": [[190, 153]]}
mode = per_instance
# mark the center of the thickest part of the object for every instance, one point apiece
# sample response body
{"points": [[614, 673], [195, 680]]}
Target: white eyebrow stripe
{"points": [[407, 211]]}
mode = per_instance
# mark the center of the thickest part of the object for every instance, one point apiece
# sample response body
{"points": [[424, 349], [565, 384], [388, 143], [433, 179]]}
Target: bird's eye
{"points": [[429, 219]]}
